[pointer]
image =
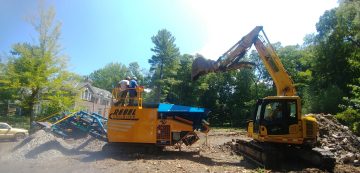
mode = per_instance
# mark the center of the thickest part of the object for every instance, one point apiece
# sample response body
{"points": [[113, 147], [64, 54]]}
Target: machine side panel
{"points": [[132, 124]]}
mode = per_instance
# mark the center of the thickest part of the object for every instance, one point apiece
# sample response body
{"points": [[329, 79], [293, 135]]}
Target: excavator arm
{"points": [[230, 60]]}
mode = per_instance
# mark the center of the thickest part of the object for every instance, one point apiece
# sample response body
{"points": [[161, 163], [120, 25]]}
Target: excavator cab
{"points": [[278, 119], [276, 116]]}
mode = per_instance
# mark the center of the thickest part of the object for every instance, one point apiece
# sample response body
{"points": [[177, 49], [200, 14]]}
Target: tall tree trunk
{"points": [[158, 93], [31, 110], [32, 117]]}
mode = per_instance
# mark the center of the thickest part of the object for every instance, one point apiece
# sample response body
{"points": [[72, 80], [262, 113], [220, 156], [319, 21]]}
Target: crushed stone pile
{"points": [[337, 138], [45, 145]]}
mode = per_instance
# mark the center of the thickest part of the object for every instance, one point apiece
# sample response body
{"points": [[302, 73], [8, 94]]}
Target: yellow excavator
{"points": [[277, 127]]}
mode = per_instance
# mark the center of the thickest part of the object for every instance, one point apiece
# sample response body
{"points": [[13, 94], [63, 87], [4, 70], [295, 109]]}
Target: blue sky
{"points": [[95, 33]]}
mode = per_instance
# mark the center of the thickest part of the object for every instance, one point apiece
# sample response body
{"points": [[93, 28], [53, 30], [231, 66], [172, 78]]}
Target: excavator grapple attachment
{"points": [[202, 66], [230, 60]]}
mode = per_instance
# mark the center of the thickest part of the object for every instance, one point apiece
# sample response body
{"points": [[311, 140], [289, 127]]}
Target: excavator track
{"points": [[265, 156], [272, 156]]}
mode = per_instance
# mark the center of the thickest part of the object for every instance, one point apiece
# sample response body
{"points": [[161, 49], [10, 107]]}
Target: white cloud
{"points": [[227, 21]]}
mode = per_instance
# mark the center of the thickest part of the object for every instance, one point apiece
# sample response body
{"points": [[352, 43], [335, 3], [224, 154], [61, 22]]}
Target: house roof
{"points": [[97, 92]]}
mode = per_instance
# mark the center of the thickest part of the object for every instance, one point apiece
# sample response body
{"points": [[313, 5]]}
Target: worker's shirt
{"points": [[133, 85], [124, 85]]}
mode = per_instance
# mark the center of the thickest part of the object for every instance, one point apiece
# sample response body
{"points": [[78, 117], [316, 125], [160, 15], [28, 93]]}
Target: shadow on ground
{"points": [[127, 153], [136, 152]]}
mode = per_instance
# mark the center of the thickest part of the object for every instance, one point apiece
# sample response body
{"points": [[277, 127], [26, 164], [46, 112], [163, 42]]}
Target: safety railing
{"points": [[128, 97]]}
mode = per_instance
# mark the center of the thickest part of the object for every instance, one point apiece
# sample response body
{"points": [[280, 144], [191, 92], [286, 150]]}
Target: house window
{"points": [[99, 111], [103, 102], [89, 96], [86, 95]]}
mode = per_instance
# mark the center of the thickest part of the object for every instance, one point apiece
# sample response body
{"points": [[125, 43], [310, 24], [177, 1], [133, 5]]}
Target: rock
{"points": [[335, 136], [357, 156], [357, 163], [348, 158]]}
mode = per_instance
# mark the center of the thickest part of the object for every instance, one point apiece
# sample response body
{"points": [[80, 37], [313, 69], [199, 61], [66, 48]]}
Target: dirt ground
{"points": [[207, 155]]}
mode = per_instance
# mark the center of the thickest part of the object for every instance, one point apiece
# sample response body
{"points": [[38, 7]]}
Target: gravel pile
{"points": [[45, 145], [338, 139]]}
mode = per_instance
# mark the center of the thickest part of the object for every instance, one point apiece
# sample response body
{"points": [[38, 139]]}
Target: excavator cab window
{"points": [[292, 106], [278, 115], [273, 111], [257, 117]]}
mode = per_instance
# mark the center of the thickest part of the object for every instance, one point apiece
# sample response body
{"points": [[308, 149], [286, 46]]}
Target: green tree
{"points": [[212, 99], [164, 64], [186, 92], [332, 54], [243, 98], [108, 76], [292, 59], [333, 58], [351, 114], [36, 73], [134, 70], [348, 19], [5, 95]]}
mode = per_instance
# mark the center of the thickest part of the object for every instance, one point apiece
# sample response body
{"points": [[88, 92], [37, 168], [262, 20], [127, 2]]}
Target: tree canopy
{"points": [[35, 73], [164, 64], [108, 76]]}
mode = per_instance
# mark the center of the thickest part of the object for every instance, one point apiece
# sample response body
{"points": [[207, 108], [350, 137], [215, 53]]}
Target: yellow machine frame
{"points": [[140, 123]]}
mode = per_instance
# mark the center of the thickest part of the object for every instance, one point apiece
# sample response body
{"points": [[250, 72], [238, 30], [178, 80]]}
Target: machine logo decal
{"points": [[123, 114]]}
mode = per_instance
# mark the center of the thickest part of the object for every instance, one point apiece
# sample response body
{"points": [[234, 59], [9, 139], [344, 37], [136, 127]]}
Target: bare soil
{"points": [[43, 152]]}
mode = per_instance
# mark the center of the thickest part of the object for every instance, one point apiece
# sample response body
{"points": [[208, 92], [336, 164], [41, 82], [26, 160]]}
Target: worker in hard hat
{"points": [[132, 90], [124, 84]]}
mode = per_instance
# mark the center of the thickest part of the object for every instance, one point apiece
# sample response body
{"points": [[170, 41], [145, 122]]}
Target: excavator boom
{"points": [[231, 60]]}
